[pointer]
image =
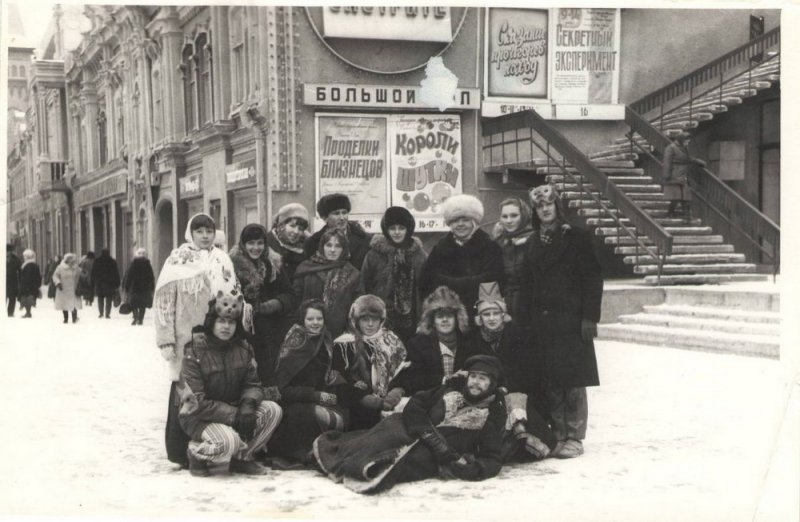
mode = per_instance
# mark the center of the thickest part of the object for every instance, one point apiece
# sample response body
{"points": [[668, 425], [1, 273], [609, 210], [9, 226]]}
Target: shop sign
{"points": [[240, 174], [380, 96], [113, 185], [190, 186], [405, 160], [420, 24]]}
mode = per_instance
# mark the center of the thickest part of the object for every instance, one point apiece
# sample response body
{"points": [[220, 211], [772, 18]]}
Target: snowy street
{"points": [[673, 435]]}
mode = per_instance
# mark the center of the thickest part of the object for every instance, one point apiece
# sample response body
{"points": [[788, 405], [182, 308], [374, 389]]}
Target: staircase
{"points": [[716, 320]]}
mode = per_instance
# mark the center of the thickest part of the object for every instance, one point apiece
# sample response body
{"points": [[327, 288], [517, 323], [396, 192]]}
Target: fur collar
{"points": [[380, 244]]}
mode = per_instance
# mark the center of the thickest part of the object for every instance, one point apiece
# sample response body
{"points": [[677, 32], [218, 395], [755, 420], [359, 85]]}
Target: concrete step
{"points": [[664, 222], [702, 279], [645, 205], [680, 259], [609, 171], [679, 249], [618, 180], [689, 269], [628, 188], [696, 114], [705, 323], [708, 312], [712, 341], [594, 212], [749, 300], [636, 196], [596, 157], [675, 231], [677, 240]]}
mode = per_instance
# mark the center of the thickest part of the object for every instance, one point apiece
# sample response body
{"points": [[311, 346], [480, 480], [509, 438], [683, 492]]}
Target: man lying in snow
{"points": [[451, 431]]}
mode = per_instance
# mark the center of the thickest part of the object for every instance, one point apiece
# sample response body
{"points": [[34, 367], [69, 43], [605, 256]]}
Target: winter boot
{"points": [[247, 467], [197, 467], [74, 316], [66, 317], [571, 448]]}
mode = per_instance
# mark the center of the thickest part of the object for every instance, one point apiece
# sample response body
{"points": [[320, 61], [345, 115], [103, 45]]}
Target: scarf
{"points": [[516, 238], [492, 337], [465, 415], [547, 232], [402, 277], [337, 275], [280, 235], [298, 348], [375, 359]]}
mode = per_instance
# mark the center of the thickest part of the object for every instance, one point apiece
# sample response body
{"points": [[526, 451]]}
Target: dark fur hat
{"points": [[330, 202], [442, 299], [367, 304]]}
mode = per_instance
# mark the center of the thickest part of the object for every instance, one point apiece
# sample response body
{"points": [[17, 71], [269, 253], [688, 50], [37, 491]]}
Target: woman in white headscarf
{"points": [[192, 275]]}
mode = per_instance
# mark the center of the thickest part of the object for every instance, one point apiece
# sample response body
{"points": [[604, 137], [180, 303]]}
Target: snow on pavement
{"points": [[673, 435]]}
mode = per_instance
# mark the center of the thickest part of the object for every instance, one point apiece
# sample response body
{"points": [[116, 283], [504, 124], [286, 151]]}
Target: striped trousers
{"points": [[221, 443]]}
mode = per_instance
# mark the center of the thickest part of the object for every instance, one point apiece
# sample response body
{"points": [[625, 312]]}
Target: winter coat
{"points": [[30, 281], [13, 265], [513, 247], [515, 352], [309, 285], [105, 276], [262, 282], [220, 374], [48, 278], [85, 286], [425, 369], [402, 306], [290, 259], [392, 452], [66, 299], [562, 286], [463, 267], [357, 239], [677, 167], [139, 283]]}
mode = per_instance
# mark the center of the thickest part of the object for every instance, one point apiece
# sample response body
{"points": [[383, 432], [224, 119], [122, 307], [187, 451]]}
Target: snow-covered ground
{"points": [[673, 435]]}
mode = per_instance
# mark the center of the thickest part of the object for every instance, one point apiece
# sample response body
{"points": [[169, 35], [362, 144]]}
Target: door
{"points": [[245, 211]]}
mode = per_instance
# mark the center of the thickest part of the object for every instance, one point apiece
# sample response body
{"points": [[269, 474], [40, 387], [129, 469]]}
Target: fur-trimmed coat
{"points": [[463, 267], [357, 240]]}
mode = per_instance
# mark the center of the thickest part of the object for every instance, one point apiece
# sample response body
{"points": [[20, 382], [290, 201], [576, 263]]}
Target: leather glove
{"points": [[393, 398], [272, 306], [438, 445], [168, 352], [325, 398], [272, 393], [465, 469], [372, 401], [588, 330], [245, 422]]}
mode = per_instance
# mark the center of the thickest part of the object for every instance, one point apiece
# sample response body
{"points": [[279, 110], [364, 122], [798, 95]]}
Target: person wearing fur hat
{"points": [[65, 277], [13, 265], [466, 256], [512, 233], [368, 356], [334, 209], [288, 234], [453, 431], [329, 276], [528, 437], [677, 167], [30, 282], [223, 409], [561, 299], [138, 284], [439, 348], [392, 268], [267, 289]]}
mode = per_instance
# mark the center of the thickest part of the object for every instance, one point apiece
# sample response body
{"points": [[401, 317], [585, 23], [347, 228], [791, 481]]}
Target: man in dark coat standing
{"points": [[466, 256], [335, 209], [13, 265], [105, 278], [562, 295]]}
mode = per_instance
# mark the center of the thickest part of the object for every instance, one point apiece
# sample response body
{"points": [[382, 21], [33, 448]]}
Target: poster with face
{"points": [[516, 53], [426, 165]]}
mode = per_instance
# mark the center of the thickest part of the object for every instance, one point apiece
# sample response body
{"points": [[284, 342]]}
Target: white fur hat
{"points": [[462, 205]]}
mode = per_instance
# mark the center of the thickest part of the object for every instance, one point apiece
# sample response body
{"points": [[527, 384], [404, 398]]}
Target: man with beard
{"points": [[335, 210], [452, 431]]}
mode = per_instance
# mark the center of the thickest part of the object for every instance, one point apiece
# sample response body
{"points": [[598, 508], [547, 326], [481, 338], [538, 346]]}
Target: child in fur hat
{"points": [[369, 355], [466, 256]]}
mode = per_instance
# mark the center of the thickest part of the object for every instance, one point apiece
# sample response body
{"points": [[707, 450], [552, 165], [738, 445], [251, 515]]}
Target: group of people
{"points": [[371, 360], [71, 281]]}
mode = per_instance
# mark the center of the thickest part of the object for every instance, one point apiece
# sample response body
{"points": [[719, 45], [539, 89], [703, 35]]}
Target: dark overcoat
{"points": [[139, 283], [463, 267], [563, 285], [311, 285], [425, 370], [515, 351], [30, 281], [357, 241], [13, 265], [105, 276], [677, 166]]}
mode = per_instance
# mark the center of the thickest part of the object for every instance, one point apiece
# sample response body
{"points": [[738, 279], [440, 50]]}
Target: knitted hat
{"points": [[291, 211], [442, 299], [252, 232], [330, 202], [489, 297], [462, 205], [488, 364], [398, 216], [367, 304]]}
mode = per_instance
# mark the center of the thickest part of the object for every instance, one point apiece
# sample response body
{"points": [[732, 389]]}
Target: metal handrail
{"points": [[708, 71], [641, 221], [754, 225]]}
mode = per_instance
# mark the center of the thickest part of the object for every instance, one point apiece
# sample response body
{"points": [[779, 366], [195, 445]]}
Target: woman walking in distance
{"points": [[30, 282], [139, 283]]}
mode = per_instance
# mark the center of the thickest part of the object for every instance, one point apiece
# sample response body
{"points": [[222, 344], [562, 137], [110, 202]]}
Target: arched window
{"points": [[13, 71]]}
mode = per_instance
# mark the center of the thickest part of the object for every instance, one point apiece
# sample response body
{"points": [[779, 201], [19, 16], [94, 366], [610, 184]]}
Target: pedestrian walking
{"points": [[561, 297], [329, 276], [48, 275], [334, 209], [466, 256], [192, 275], [223, 409], [85, 285], [65, 278], [13, 265], [392, 269], [30, 282], [512, 233], [270, 293], [678, 165], [105, 278], [289, 233], [138, 284]]}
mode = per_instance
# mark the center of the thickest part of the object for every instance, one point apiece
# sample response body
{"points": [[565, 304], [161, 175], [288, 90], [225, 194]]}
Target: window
{"points": [[22, 71], [202, 65], [157, 116], [102, 138], [13, 71], [241, 76], [188, 86]]}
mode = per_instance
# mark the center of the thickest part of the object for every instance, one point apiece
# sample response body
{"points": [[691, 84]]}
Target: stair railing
{"points": [[715, 68], [511, 131], [738, 213]]}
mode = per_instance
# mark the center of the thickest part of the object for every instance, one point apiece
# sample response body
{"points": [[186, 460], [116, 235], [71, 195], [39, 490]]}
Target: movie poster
{"points": [[516, 53]]}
